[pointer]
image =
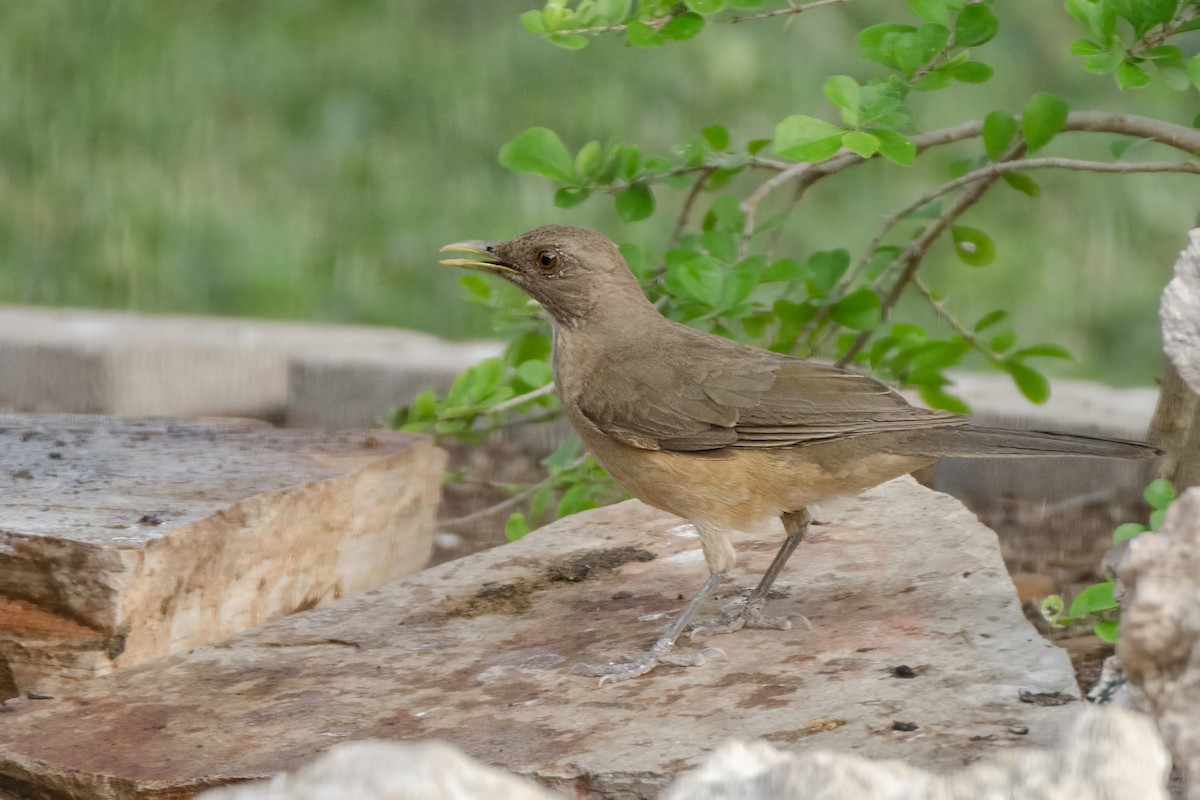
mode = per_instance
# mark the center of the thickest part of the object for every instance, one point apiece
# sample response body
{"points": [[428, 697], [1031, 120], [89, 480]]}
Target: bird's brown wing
{"points": [[707, 393]]}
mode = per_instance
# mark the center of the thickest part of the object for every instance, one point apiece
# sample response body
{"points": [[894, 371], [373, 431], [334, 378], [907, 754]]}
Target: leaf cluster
{"points": [[1097, 603]]}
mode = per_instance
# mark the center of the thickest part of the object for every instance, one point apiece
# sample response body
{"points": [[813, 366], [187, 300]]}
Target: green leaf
{"points": [[999, 128], [570, 196], [1042, 119], [1193, 70], [974, 247], [576, 498], [515, 527], [640, 34], [684, 26], [628, 161], [533, 21], [1003, 342], [636, 202], [1044, 351], [727, 212], [1119, 147], [541, 152], [479, 286], [863, 144], [807, 138], [857, 311], [990, 319], [1029, 381], [1164, 54], [1085, 47], [716, 136], [971, 71], [976, 25], [785, 269], [1130, 76], [1108, 630], [706, 6], [895, 147], [825, 269], [936, 397], [933, 10], [1094, 599], [568, 41], [1098, 17], [1159, 494], [423, 407], [588, 161], [1127, 531], [1022, 183], [720, 244], [1157, 517], [635, 257], [842, 91], [700, 278], [879, 42], [534, 372]]}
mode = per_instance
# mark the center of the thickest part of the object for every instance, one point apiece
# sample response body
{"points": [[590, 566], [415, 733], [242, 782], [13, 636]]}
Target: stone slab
{"points": [[128, 539], [110, 362], [480, 652]]}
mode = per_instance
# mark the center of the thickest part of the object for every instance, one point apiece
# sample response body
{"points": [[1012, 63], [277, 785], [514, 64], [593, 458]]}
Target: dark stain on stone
{"points": [[493, 598], [515, 597], [818, 725], [581, 567], [771, 694], [1046, 698]]}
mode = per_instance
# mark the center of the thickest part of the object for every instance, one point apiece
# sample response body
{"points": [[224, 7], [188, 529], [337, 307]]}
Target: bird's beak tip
{"points": [[486, 262]]}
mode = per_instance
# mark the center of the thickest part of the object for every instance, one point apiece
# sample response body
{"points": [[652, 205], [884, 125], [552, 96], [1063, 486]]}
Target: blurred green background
{"points": [[293, 159]]}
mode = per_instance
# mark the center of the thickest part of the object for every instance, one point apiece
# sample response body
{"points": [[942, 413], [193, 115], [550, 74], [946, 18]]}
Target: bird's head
{"points": [[576, 274]]}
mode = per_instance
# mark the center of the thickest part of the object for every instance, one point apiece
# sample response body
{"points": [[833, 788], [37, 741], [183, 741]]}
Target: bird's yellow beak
{"points": [[487, 262]]}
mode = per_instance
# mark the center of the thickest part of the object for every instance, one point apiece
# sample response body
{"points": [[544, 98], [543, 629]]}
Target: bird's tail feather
{"points": [[979, 441]]}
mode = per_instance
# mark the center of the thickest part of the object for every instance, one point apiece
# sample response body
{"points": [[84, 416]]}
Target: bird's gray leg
{"points": [[750, 614], [661, 653]]}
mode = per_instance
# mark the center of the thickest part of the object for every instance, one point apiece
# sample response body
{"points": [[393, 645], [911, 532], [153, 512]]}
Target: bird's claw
{"points": [[615, 673], [747, 616]]}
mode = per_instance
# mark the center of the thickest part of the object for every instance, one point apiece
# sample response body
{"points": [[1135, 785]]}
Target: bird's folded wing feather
{"points": [[742, 397]]}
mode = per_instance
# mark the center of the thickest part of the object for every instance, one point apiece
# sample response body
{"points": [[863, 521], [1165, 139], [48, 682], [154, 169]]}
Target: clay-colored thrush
{"points": [[725, 435]]}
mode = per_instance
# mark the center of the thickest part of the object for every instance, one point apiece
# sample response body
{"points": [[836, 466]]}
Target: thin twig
{"points": [[940, 308], [507, 502], [513, 402], [910, 259], [1177, 136], [658, 23], [688, 202]]}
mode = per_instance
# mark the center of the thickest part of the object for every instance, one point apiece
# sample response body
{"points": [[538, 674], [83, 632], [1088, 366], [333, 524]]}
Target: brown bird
{"points": [[726, 435]]}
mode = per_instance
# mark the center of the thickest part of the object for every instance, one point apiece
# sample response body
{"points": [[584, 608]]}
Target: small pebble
{"points": [[904, 726], [904, 671], [1019, 730]]}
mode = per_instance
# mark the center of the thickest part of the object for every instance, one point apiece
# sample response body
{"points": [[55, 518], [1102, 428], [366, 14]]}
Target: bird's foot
{"points": [[747, 615], [633, 667]]}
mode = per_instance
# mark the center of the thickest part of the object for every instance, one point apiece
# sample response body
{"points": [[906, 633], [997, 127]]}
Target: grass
{"points": [[303, 159]]}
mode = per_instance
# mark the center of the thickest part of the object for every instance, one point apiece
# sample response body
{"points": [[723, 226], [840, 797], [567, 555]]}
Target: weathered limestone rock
{"points": [[1160, 628], [389, 771], [123, 540], [1106, 754], [1180, 314], [480, 652], [108, 362]]}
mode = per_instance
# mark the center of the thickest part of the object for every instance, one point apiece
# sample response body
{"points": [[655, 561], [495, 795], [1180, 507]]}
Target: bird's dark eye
{"points": [[547, 259]]}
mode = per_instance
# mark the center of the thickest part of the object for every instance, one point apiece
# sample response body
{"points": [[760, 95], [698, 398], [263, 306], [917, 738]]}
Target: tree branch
{"points": [[658, 23], [686, 210], [1170, 134]]}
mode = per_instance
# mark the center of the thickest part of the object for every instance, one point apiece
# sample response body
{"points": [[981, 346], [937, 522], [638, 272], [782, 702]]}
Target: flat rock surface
{"points": [[480, 652], [128, 539]]}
